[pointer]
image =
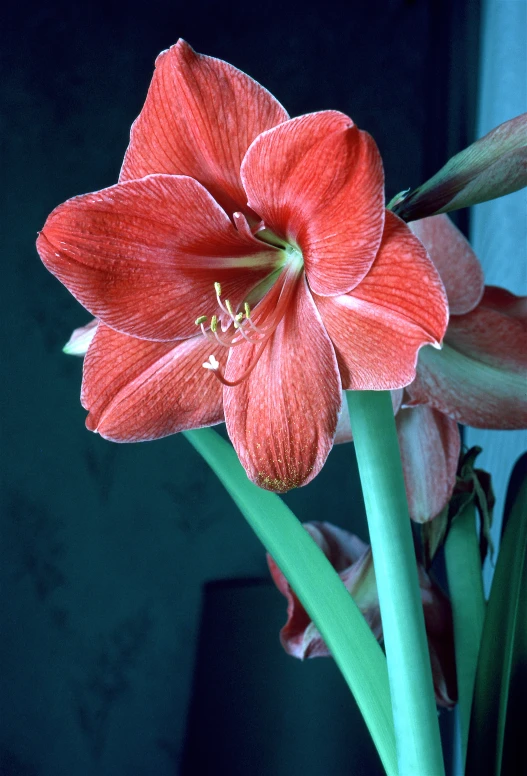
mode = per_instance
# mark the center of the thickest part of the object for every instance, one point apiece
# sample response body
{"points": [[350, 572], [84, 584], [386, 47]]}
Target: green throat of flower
{"points": [[254, 321]]}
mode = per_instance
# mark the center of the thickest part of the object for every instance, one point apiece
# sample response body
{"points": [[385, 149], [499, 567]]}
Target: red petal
{"points": [[480, 376], [378, 328], [340, 547], [430, 445], [455, 261], [318, 181], [137, 390], [144, 256], [282, 418], [199, 118], [299, 637]]}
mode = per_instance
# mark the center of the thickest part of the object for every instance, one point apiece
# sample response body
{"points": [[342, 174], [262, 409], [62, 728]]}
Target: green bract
{"points": [[491, 167]]}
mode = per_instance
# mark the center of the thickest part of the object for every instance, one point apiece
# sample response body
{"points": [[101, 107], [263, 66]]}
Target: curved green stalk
{"points": [[465, 583], [318, 587], [414, 710]]}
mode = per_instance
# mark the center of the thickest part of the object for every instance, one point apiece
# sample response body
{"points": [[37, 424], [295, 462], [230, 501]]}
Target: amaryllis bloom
{"points": [[244, 268], [352, 559]]}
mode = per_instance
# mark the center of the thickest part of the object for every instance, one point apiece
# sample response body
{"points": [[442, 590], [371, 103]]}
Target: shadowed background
{"points": [[105, 548]]}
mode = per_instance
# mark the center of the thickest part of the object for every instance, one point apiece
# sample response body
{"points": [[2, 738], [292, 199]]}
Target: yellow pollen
{"points": [[200, 320], [217, 288], [228, 306], [237, 319], [247, 310], [214, 323]]}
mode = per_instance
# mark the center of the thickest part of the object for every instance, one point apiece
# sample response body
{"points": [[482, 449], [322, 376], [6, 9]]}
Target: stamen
{"points": [[227, 343], [251, 324], [243, 327], [240, 330], [217, 288], [207, 334]]}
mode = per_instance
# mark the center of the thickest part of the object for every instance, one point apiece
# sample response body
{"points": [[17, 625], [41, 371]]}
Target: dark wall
{"points": [[105, 548]]}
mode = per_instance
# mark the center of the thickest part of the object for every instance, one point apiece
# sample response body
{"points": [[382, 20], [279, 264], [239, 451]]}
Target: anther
{"points": [[217, 288], [200, 320], [214, 323], [229, 308], [247, 310]]}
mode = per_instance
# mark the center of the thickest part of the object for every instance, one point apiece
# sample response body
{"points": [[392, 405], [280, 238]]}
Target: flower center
{"points": [[230, 328]]}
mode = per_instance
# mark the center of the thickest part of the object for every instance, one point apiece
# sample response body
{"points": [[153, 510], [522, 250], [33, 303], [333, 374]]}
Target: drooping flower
{"points": [[479, 378], [352, 559], [253, 245]]}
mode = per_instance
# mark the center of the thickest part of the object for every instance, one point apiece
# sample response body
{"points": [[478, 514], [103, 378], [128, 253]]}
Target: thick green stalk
{"points": [[465, 582], [317, 585], [414, 710]]}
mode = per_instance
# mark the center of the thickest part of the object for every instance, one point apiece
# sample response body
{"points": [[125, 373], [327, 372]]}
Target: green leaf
{"points": [[497, 729], [317, 585]]}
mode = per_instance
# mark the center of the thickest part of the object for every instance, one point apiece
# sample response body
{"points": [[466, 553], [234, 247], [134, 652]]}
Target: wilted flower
{"points": [[352, 559], [478, 378]]}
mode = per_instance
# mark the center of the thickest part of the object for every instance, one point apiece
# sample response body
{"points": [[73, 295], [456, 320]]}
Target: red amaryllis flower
{"points": [[252, 245], [352, 559]]}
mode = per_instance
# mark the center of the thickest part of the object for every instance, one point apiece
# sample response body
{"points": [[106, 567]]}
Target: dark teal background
{"points": [[105, 548]]}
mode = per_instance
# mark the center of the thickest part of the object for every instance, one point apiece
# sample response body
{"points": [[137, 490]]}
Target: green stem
{"points": [[318, 587], [465, 582], [414, 710]]}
